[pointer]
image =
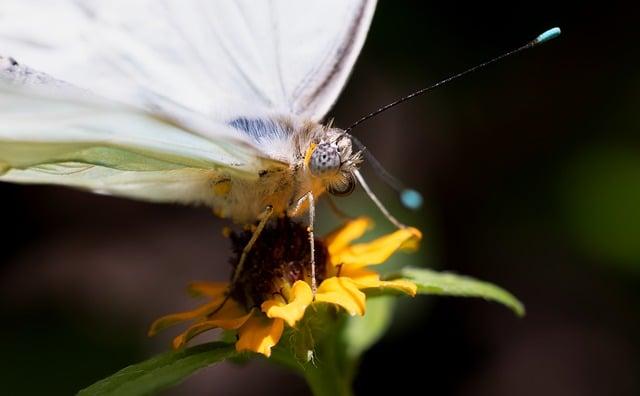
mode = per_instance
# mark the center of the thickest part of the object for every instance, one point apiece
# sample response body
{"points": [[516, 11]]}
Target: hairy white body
{"points": [[280, 186]]}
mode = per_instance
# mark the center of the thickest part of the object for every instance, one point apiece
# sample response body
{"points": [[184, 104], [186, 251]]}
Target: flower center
{"points": [[280, 256]]}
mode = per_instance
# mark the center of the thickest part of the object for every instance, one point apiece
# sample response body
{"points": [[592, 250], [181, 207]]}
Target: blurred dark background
{"points": [[531, 174]]}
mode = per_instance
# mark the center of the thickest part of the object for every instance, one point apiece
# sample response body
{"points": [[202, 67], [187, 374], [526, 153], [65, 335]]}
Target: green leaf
{"points": [[361, 332], [448, 284], [161, 371]]}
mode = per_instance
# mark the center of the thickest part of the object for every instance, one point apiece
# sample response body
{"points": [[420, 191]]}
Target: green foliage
{"points": [[599, 192], [448, 284], [160, 372]]}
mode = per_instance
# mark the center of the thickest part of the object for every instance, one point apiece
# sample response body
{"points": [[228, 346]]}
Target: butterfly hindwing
{"points": [[53, 132]]}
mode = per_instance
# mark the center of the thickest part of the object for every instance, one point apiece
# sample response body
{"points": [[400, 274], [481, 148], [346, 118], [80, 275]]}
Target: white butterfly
{"points": [[198, 102]]}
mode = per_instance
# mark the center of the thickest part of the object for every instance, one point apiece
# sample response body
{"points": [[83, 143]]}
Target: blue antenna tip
{"points": [[548, 35], [411, 198]]}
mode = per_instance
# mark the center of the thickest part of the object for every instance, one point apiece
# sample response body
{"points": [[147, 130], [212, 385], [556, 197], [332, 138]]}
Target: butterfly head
{"points": [[332, 160]]}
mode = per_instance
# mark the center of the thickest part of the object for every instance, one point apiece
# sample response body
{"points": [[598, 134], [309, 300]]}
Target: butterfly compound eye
{"points": [[325, 160]]}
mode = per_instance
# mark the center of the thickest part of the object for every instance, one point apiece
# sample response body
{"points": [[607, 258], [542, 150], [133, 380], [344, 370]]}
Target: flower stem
{"points": [[324, 375], [325, 381]]}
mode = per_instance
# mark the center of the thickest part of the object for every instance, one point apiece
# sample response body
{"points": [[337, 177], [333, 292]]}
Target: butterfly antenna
{"points": [[410, 198], [544, 37]]}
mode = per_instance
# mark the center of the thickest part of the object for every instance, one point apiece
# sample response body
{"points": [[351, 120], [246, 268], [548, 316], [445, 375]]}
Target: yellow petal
{"points": [[360, 274], [401, 285], [378, 250], [343, 292], [173, 319], [367, 279], [209, 289], [300, 298], [259, 334], [226, 322], [351, 230]]}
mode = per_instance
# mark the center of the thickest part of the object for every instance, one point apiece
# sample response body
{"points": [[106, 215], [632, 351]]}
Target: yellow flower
{"points": [[276, 287]]}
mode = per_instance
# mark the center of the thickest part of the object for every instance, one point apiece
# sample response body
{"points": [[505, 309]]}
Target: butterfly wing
{"points": [[53, 132], [317, 45], [213, 57], [186, 71]]}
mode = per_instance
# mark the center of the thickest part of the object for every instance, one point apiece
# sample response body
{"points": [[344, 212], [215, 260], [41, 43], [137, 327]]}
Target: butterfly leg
{"points": [[264, 218], [312, 214]]}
